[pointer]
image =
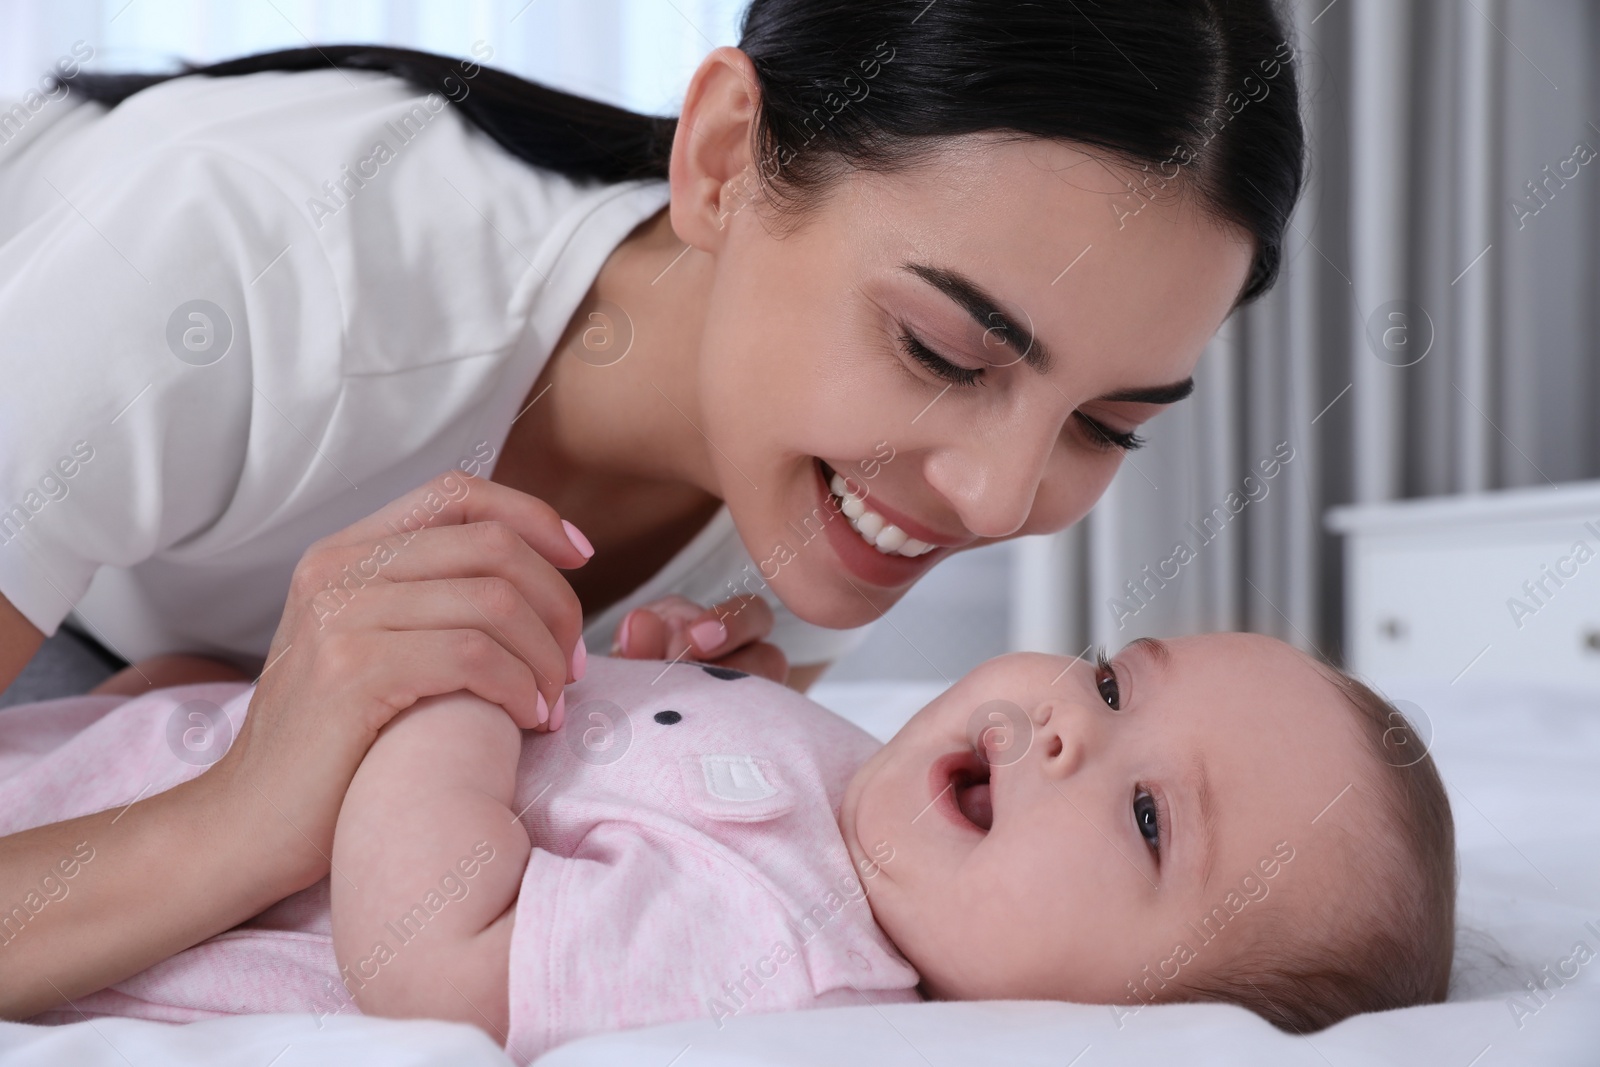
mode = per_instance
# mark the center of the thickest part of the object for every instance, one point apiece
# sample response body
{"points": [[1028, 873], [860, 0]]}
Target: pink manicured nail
{"points": [[580, 660], [619, 642], [542, 709], [579, 542], [558, 714], [709, 634]]}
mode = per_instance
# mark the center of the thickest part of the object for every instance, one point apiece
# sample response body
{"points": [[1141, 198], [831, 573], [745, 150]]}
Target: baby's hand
{"points": [[728, 635]]}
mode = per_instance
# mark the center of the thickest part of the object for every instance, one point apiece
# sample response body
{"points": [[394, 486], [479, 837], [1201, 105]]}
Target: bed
{"points": [[1519, 748]]}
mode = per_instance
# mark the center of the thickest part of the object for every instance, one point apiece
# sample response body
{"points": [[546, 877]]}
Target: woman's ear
{"points": [[713, 169]]}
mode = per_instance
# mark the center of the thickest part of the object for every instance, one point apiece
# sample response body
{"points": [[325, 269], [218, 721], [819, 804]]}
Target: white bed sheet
{"points": [[1523, 766]]}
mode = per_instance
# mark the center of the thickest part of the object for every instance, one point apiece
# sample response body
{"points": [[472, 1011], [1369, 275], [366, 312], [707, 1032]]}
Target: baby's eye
{"points": [[1144, 816], [1105, 681]]}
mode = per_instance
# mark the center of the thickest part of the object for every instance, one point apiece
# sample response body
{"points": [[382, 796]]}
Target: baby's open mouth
{"points": [[969, 786]]}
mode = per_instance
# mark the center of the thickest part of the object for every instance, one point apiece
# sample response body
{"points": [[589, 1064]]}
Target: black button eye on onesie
{"points": [[726, 674], [668, 718]]}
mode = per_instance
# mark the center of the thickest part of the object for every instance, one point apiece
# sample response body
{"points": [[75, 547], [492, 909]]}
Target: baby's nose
{"points": [[1060, 738]]}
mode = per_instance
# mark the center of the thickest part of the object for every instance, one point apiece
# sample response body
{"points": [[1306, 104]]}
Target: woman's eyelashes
{"points": [[1098, 435], [936, 364], [1105, 438]]}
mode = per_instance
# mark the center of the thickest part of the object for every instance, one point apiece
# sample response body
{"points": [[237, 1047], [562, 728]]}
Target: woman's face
{"points": [[1102, 302]]}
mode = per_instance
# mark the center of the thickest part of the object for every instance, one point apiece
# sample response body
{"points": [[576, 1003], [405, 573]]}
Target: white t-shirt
{"points": [[240, 314]]}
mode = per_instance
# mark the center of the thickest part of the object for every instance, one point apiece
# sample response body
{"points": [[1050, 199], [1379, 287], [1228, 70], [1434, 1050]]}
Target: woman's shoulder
{"points": [[440, 244], [329, 140]]}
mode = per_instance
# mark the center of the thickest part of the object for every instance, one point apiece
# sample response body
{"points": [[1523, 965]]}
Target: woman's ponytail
{"points": [[576, 136]]}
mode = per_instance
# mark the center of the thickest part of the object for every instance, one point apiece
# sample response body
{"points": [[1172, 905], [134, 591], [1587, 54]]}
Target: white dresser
{"points": [[1490, 585]]}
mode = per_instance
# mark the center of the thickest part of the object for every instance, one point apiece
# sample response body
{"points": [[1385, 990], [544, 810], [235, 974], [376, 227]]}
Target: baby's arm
{"points": [[427, 861]]}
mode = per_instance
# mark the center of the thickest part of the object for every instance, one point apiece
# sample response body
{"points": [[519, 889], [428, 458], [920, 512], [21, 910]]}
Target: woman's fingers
{"points": [[437, 661], [730, 634], [730, 625], [456, 498], [481, 550], [491, 605], [642, 634], [646, 631], [675, 626], [645, 635]]}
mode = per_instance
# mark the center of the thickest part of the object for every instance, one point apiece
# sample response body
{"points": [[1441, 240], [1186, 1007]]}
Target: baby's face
{"points": [[1117, 810]]}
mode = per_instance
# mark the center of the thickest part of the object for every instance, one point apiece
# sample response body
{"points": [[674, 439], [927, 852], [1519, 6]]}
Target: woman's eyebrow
{"points": [[1154, 394], [985, 311]]}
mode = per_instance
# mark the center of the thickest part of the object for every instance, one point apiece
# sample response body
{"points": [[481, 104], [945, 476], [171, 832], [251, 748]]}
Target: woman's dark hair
{"points": [[1200, 95]]}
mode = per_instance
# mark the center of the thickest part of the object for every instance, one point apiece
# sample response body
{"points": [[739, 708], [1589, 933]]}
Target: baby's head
{"points": [[1218, 817]]}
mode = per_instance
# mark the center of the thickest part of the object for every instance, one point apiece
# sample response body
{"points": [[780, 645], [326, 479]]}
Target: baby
{"points": [[1216, 817]]}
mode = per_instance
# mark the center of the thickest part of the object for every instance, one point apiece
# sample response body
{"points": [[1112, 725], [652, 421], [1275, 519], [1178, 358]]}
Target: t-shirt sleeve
{"points": [[131, 311]]}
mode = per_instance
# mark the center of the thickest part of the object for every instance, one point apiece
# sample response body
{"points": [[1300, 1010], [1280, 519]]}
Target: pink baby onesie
{"points": [[687, 862]]}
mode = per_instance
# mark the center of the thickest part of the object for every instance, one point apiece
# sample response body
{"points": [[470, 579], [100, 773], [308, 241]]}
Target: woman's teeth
{"points": [[890, 540]]}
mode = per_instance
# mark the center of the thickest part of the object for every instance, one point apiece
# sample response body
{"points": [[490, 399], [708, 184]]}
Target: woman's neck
{"points": [[613, 446]]}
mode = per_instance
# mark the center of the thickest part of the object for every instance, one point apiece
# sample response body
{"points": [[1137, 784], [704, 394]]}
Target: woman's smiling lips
{"points": [[911, 526], [863, 560]]}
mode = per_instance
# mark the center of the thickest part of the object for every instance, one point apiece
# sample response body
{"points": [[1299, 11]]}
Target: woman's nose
{"points": [[992, 484]]}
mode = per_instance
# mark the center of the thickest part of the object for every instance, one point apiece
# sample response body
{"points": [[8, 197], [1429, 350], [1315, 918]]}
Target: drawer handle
{"points": [[1591, 640], [1395, 630]]}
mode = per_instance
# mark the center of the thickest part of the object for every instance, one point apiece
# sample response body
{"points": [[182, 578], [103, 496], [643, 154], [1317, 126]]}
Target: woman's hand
{"points": [[730, 634], [453, 586]]}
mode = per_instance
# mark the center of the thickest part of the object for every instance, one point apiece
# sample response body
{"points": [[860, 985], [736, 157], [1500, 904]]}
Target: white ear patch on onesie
{"points": [[735, 788], [736, 778]]}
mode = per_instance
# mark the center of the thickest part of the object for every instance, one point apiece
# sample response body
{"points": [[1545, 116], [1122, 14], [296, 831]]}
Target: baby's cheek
{"points": [[874, 787]]}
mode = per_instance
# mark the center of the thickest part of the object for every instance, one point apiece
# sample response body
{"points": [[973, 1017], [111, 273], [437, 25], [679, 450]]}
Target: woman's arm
{"points": [[470, 600], [19, 641], [109, 869], [128, 887], [142, 883], [161, 858]]}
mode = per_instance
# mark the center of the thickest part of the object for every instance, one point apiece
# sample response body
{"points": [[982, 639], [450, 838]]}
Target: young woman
{"points": [[903, 279]]}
